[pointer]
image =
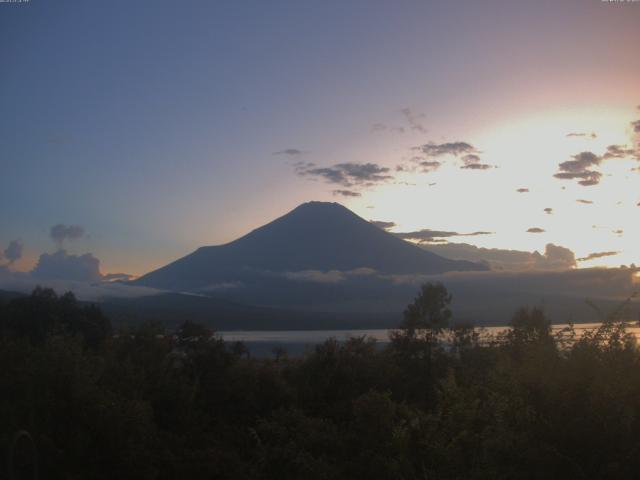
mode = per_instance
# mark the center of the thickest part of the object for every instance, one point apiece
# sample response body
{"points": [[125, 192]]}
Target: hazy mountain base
{"points": [[147, 406]]}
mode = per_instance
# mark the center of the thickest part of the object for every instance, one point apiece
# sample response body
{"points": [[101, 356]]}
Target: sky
{"points": [[153, 128]]}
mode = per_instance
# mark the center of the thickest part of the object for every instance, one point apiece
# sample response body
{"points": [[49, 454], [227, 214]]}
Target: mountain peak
{"points": [[318, 236], [318, 206]]}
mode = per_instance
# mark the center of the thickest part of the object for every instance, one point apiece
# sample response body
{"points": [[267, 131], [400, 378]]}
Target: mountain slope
{"points": [[314, 236]]}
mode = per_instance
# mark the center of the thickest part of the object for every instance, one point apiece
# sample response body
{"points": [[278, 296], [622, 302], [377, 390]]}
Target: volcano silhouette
{"points": [[317, 236]]}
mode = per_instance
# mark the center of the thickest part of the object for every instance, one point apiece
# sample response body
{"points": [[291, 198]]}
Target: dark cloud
{"points": [[548, 211], [383, 225], [471, 158], [618, 151], [636, 126], [590, 135], [430, 165], [595, 255], [451, 148], [477, 166], [586, 179], [619, 232], [62, 266], [13, 252], [427, 235], [584, 202], [473, 162], [522, 190], [346, 174], [581, 162], [580, 168], [535, 230], [291, 152], [468, 153], [414, 119], [347, 193], [419, 163], [554, 257], [59, 233]]}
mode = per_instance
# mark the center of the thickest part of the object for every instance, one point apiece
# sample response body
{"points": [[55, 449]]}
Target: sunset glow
{"points": [[187, 140]]}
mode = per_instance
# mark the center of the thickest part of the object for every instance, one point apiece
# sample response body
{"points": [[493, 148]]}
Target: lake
{"points": [[262, 342]]}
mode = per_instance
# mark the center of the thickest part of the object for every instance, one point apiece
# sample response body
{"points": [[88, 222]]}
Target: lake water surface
{"points": [[295, 342]]}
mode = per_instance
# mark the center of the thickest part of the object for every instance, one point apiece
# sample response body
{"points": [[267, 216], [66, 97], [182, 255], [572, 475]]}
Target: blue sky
{"points": [[153, 125]]}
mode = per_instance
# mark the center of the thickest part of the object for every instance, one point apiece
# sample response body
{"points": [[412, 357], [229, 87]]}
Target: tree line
{"points": [[80, 400]]}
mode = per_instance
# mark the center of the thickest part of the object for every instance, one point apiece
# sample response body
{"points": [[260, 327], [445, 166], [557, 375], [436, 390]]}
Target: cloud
{"points": [[427, 235], [85, 291], [554, 257], [468, 153], [419, 163], [62, 266], [477, 166], [491, 288], [590, 135], [430, 165], [548, 211], [580, 168], [619, 232], [59, 233], [117, 277], [383, 225], [378, 127], [618, 151], [471, 158], [346, 193], [587, 179], [584, 202], [535, 230], [331, 276], [316, 276], [522, 190], [473, 162], [593, 256], [291, 152], [450, 148], [581, 162], [414, 119], [346, 174], [13, 252], [636, 126]]}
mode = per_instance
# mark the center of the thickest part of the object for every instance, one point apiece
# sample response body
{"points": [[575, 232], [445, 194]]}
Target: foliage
{"points": [[437, 402]]}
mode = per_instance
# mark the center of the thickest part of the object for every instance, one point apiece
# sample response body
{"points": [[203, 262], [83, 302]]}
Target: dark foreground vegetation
{"points": [[78, 401]]}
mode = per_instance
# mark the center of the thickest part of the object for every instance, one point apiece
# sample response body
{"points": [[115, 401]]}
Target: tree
{"points": [[413, 344], [429, 313], [530, 326]]}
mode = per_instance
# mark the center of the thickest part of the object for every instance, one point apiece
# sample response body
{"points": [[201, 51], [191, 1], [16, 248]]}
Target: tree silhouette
{"points": [[429, 313]]}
